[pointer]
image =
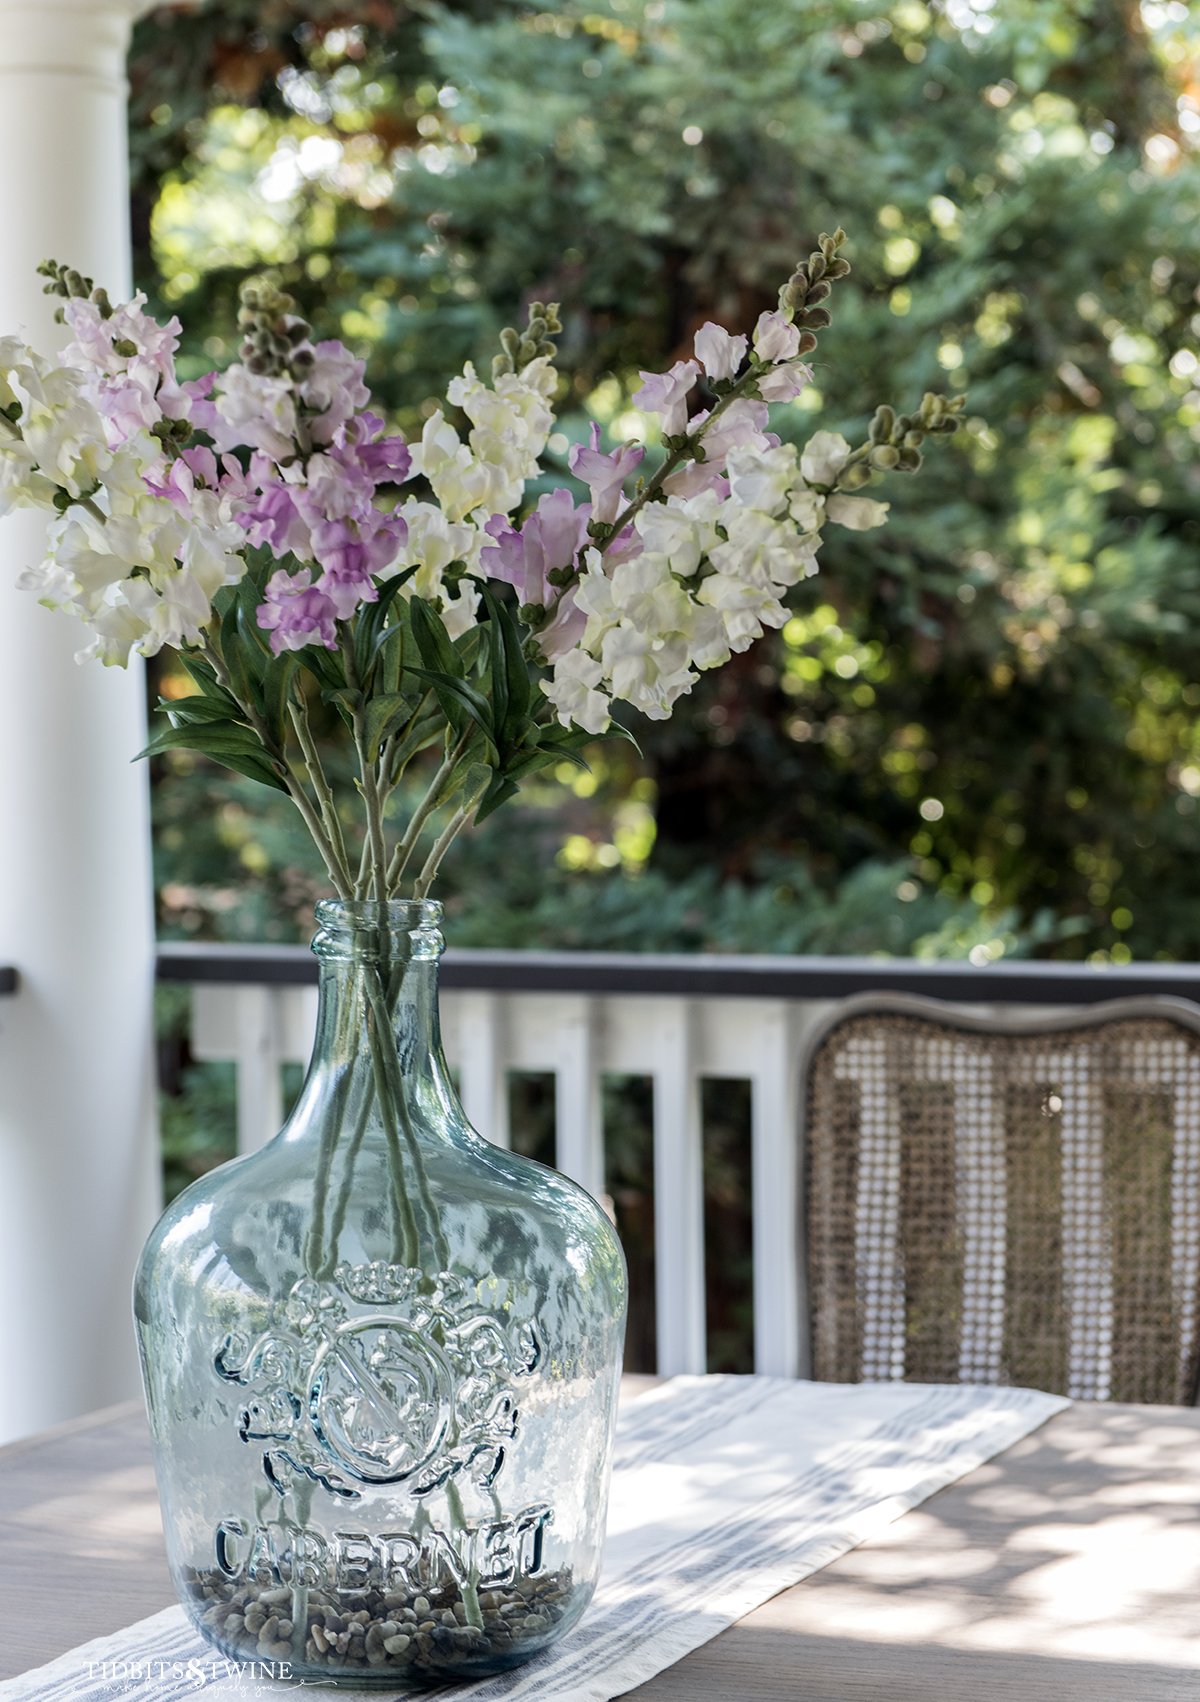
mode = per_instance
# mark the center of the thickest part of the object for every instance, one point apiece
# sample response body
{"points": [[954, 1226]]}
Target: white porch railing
{"points": [[674, 1020]]}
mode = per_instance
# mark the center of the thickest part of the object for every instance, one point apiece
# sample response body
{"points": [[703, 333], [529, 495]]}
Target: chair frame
{"points": [[1019, 1023]]}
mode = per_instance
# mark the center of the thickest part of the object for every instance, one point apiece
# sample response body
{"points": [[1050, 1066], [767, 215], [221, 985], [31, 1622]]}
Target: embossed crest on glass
{"points": [[381, 1359]]}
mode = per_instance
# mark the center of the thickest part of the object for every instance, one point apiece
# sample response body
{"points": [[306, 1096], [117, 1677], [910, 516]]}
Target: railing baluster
{"points": [[678, 1193], [775, 1142], [579, 1132], [483, 1074], [242, 1024]]}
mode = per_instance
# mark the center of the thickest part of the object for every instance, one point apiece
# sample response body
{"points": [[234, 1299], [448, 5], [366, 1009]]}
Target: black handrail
{"points": [[707, 976], [8, 979]]}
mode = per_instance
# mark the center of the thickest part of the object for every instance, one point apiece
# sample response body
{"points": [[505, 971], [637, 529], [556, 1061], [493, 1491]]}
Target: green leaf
{"points": [[277, 684], [427, 731], [204, 674], [369, 625], [228, 743], [233, 654], [433, 641], [460, 701], [325, 666], [499, 792], [389, 655], [190, 711], [511, 687], [383, 715]]}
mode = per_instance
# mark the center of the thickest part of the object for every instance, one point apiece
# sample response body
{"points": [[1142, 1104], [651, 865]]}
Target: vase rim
{"points": [[352, 927]]}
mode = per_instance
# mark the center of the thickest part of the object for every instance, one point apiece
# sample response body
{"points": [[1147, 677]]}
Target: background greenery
{"points": [[979, 733]]}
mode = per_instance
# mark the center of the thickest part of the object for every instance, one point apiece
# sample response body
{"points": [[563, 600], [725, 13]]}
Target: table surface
{"points": [[1066, 1568]]}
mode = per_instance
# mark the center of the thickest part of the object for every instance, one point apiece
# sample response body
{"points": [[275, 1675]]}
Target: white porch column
{"points": [[78, 1155]]}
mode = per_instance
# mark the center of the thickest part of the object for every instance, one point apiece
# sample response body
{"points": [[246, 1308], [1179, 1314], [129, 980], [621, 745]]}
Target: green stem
{"points": [[406, 1244], [369, 780], [393, 1103], [341, 1205], [441, 845], [426, 807], [685, 452], [298, 712], [470, 1589], [339, 875]]}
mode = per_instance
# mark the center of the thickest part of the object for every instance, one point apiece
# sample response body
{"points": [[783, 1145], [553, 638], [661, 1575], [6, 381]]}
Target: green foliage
{"points": [[1001, 687]]}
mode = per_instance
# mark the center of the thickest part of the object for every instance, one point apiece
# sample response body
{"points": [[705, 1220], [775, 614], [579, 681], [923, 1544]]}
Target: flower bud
{"points": [[883, 424], [908, 460], [885, 457], [816, 318], [816, 266], [807, 343], [855, 476], [838, 268]]}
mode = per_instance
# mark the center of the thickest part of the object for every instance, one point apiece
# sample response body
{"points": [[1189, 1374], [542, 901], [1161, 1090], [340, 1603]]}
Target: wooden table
{"points": [[1065, 1570]]}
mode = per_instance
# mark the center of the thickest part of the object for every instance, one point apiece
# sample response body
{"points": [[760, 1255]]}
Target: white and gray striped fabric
{"points": [[726, 1490]]}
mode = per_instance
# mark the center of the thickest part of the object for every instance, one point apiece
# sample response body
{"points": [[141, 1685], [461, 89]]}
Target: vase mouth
{"points": [[364, 930]]}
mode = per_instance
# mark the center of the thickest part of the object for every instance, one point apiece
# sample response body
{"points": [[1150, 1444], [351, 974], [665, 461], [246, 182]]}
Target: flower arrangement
{"points": [[265, 524]]}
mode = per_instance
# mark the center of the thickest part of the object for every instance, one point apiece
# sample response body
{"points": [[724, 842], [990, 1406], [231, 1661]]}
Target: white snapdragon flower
{"points": [[432, 543], [460, 610], [116, 630], [21, 484], [573, 689], [18, 365], [64, 433], [719, 353], [824, 457], [173, 611], [256, 411], [460, 482], [740, 426], [783, 383], [707, 639], [859, 513], [762, 479], [511, 421], [641, 592], [647, 671], [762, 551], [80, 570], [775, 337], [745, 608], [683, 529], [807, 509]]}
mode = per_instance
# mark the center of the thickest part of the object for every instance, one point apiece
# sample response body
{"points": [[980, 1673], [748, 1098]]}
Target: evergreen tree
{"points": [[1003, 685]]}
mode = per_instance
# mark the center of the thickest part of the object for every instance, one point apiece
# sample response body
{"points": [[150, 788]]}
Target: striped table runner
{"points": [[726, 1490]]}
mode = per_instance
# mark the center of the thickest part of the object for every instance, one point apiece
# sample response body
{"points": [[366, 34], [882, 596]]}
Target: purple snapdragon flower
{"points": [[666, 394], [605, 475], [296, 612], [551, 538]]}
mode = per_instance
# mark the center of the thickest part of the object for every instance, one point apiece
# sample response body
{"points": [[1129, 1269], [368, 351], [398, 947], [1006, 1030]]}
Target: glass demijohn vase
{"points": [[381, 1359]]}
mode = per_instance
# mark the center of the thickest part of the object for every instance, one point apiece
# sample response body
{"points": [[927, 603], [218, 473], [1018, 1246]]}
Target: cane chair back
{"points": [[1006, 1203]]}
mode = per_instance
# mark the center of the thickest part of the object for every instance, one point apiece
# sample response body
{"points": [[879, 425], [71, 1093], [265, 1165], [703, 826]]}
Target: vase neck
{"points": [[378, 978]]}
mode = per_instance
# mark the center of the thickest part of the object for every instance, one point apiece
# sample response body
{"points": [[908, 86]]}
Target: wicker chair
{"points": [[1001, 1202]]}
